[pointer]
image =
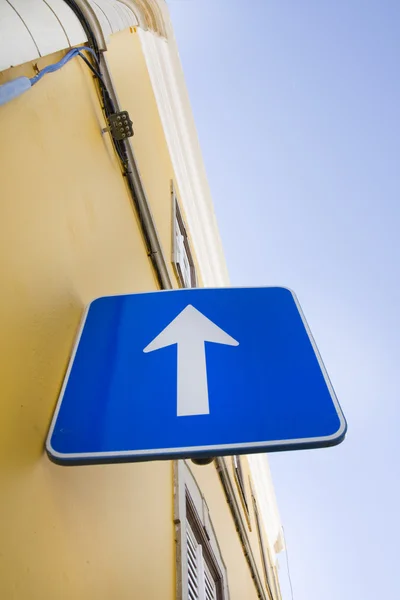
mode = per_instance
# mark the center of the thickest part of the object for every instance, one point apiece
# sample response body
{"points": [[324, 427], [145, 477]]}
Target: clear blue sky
{"points": [[297, 108]]}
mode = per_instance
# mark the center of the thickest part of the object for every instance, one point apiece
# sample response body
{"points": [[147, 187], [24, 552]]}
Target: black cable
{"points": [[82, 19], [91, 67], [108, 104], [107, 101]]}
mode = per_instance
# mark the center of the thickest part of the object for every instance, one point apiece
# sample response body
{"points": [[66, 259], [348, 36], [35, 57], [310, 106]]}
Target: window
{"points": [[182, 258], [202, 573], [239, 477], [201, 582]]}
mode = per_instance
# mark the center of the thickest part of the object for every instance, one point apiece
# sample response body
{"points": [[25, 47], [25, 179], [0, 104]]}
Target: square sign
{"points": [[193, 373]]}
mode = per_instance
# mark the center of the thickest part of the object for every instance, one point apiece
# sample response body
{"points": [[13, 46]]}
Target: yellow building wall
{"points": [[68, 234]]}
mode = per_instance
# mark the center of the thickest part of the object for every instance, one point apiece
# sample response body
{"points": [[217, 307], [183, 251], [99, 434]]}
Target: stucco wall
{"points": [[68, 233]]}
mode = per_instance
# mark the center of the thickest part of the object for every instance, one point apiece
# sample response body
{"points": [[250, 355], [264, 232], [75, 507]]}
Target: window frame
{"points": [[191, 507], [178, 225], [201, 538]]}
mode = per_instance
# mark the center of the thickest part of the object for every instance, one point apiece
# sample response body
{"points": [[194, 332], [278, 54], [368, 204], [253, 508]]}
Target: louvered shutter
{"points": [[182, 258], [201, 585], [209, 585], [193, 564], [179, 244]]}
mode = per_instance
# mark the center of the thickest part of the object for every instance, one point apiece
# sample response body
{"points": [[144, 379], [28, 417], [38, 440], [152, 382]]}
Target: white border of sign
{"points": [[196, 451]]}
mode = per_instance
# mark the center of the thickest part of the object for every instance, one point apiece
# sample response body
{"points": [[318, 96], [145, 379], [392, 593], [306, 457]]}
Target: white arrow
{"points": [[189, 330]]}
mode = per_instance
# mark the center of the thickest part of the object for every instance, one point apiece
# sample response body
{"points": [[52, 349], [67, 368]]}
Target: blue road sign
{"points": [[199, 372]]}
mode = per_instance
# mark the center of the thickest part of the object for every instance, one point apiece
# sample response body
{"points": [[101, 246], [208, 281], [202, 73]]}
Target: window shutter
{"points": [[203, 572], [209, 585], [201, 585], [181, 253], [193, 564]]}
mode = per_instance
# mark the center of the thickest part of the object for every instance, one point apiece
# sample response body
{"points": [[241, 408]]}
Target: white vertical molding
{"points": [[195, 194]]}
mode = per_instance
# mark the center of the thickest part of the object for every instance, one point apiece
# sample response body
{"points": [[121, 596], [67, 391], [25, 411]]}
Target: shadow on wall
{"points": [[34, 355]]}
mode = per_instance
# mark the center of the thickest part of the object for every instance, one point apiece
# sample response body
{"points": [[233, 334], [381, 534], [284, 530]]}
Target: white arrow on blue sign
{"points": [[199, 372]]}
